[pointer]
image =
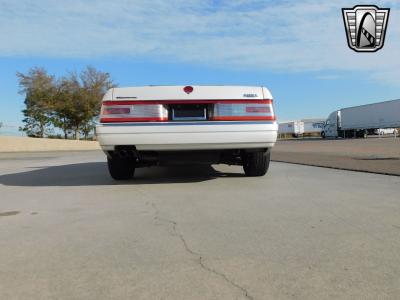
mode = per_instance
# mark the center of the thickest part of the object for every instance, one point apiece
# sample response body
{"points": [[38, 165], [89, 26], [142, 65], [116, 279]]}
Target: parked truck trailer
{"points": [[315, 125], [293, 128], [359, 121]]}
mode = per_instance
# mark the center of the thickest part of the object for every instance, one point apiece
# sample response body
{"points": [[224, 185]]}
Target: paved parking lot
{"points": [[374, 154], [67, 231]]}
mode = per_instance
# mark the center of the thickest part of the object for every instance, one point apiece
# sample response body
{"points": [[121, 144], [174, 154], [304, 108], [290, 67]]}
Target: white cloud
{"points": [[286, 36], [327, 77]]}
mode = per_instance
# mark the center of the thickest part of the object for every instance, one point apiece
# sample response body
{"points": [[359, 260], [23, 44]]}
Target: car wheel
{"points": [[120, 168], [256, 163]]}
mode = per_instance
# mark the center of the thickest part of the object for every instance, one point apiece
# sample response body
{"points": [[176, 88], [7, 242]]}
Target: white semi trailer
{"points": [[313, 125], [359, 121], [294, 128]]}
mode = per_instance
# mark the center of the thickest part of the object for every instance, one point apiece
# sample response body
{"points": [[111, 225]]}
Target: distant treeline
{"points": [[70, 103]]}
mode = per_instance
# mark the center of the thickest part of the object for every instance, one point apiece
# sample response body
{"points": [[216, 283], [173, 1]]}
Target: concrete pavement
{"points": [[68, 231]]}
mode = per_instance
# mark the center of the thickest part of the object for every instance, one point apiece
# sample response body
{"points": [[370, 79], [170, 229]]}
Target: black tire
{"points": [[256, 163], [323, 134], [121, 169]]}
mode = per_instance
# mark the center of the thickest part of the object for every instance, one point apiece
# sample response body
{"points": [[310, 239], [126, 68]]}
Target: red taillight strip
{"points": [[116, 120], [200, 101], [244, 118], [223, 116]]}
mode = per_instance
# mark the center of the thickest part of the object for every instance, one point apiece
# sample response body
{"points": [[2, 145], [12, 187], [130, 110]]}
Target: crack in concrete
{"points": [[200, 258]]}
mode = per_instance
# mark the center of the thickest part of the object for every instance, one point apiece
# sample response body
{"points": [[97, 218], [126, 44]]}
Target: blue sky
{"points": [[298, 49]]}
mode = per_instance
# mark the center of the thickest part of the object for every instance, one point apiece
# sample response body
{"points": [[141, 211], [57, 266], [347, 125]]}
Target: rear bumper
{"points": [[188, 135]]}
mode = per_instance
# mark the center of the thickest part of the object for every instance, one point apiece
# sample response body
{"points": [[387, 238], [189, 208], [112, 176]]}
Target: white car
{"points": [[159, 125]]}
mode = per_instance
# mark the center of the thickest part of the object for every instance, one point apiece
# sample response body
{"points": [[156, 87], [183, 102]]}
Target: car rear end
{"points": [[155, 125]]}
